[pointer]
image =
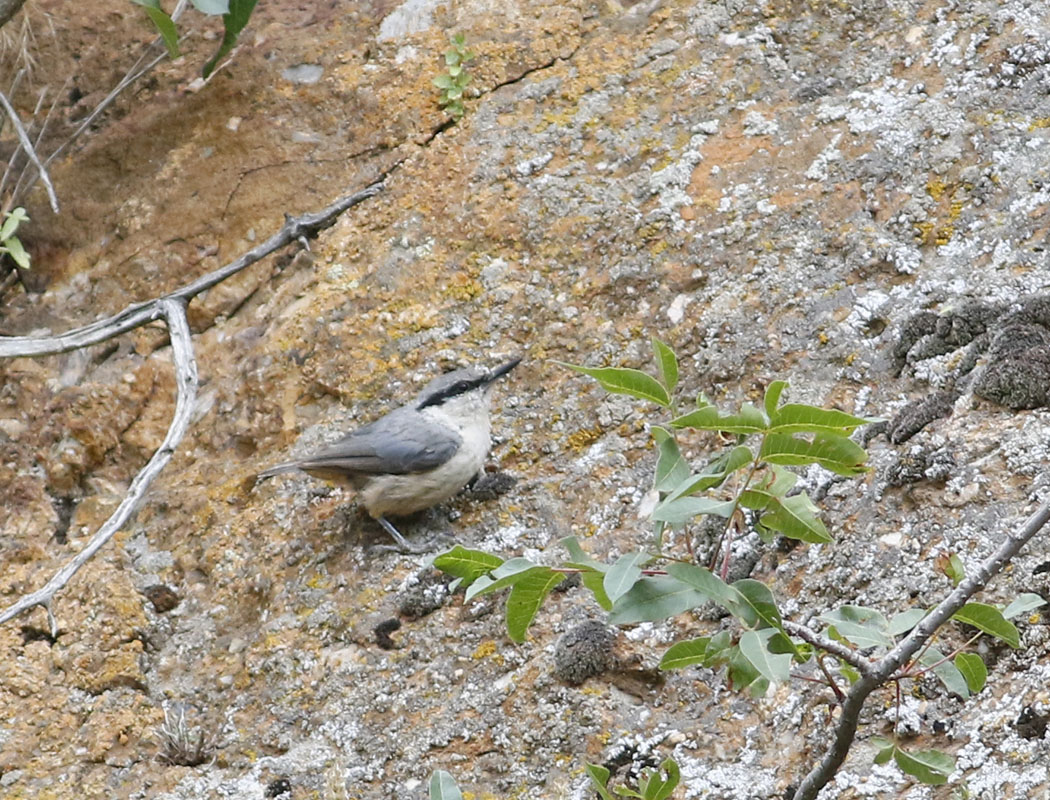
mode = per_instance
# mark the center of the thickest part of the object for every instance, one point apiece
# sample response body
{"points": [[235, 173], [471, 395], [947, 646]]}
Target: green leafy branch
{"points": [[858, 650], [235, 15], [455, 79], [9, 243]]}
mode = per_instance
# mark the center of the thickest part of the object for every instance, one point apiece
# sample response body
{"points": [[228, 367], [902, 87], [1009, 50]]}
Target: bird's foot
{"points": [[402, 545]]}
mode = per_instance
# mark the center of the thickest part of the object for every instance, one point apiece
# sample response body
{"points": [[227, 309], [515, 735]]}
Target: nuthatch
{"points": [[416, 456]]}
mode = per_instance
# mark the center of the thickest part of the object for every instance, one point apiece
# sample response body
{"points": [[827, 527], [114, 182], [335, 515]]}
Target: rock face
{"points": [[787, 190]]}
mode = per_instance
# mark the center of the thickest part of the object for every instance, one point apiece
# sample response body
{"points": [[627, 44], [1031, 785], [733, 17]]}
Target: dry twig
{"points": [[172, 309]]}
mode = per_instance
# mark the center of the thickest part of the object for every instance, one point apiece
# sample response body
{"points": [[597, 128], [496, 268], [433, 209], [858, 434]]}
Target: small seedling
{"points": [[9, 243], [455, 79]]}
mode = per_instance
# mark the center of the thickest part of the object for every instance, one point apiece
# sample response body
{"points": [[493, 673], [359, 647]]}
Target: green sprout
{"points": [[455, 79], [9, 243]]}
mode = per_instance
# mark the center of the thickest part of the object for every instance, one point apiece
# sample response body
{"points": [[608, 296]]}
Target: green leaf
{"points": [[212, 7], [686, 653], [776, 668], [526, 597], [655, 599], [761, 605], [835, 453], [954, 569], [886, 749], [454, 92], [442, 81], [990, 620], [631, 382], [623, 574], [671, 468], [594, 581], [599, 779], [744, 675], [973, 670], [796, 518], [713, 475], [16, 251], [711, 586], [233, 23], [468, 565], [454, 70], [773, 392], [443, 787], [1022, 604], [14, 218], [861, 626], [929, 766], [801, 418], [947, 673], [748, 420], [165, 27], [506, 574], [580, 556], [773, 485], [667, 363], [905, 621], [655, 786], [849, 672], [683, 509]]}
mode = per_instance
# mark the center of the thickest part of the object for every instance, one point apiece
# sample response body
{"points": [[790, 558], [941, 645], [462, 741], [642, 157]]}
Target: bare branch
{"points": [[172, 308], [139, 314], [27, 145], [846, 729], [174, 312], [851, 657]]}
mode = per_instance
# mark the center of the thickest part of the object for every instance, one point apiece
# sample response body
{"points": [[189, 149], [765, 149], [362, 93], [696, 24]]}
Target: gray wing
{"points": [[399, 443]]}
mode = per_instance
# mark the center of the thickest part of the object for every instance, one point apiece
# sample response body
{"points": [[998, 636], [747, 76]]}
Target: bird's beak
{"points": [[503, 369]]}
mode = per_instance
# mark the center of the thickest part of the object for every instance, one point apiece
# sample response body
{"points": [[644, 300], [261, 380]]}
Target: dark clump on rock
{"points": [[429, 593], [1021, 380], [583, 652], [1017, 337], [917, 415], [961, 326], [914, 328], [919, 465]]}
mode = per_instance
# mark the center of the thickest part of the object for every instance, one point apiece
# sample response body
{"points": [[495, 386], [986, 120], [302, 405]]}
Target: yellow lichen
{"points": [[584, 438]]}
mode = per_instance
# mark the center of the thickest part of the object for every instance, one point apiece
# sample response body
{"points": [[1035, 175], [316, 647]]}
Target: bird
{"points": [[417, 455]]}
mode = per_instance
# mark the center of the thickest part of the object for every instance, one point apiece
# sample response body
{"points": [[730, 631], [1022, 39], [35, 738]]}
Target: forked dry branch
{"points": [[172, 309]]}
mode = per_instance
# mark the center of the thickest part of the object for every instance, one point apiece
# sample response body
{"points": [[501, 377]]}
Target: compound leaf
{"points": [[233, 23], [835, 453], [526, 596], [633, 382], [623, 574], [1022, 604], [655, 599], [667, 363], [929, 766], [796, 518], [671, 468], [708, 418], [973, 670], [443, 787], [468, 565], [990, 620], [800, 418]]}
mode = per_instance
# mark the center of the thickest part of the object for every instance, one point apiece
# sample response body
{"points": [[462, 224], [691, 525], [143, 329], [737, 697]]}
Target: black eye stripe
{"points": [[456, 389]]}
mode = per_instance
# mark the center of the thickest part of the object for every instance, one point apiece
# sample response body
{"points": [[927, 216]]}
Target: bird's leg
{"points": [[403, 545]]}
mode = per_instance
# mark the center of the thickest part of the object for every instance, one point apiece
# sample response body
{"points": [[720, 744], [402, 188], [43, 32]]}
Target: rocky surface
{"points": [[777, 190]]}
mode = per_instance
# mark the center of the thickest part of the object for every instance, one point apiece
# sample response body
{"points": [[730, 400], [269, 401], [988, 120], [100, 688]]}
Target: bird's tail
{"points": [[279, 469]]}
